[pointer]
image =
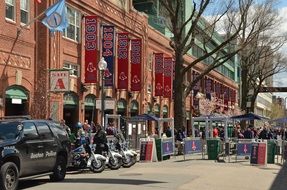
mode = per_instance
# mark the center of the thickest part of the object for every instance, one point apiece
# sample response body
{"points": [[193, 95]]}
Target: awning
{"points": [[16, 93], [164, 109], [134, 105], [121, 105], [70, 99], [156, 109], [144, 117], [90, 100]]}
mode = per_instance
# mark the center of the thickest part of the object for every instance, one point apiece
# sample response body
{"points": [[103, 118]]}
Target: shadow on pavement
{"points": [[32, 183], [37, 182], [280, 182], [111, 181]]}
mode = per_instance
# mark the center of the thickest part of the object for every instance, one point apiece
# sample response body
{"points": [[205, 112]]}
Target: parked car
{"points": [[31, 148]]}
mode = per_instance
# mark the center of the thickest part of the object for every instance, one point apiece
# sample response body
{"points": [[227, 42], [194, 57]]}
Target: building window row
{"points": [[74, 69], [74, 20], [10, 10]]}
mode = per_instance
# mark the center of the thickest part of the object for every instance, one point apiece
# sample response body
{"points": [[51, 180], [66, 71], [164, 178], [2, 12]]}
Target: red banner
{"points": [[90, 49], [123, 60], [158, 64], [198, 84], [232, 96], [136, 59], [167, 73], [208, 85]]}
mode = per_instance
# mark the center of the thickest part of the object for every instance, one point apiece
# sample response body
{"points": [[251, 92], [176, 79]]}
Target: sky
{"points": [[281, 79]]}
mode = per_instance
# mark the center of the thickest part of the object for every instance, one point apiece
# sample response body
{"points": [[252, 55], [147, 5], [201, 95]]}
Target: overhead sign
{"points": [[59, 80]]}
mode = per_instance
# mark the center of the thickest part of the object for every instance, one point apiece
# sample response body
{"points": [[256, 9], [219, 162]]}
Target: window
{"points": [[10, 9], [24, 8], [74, 69], [74, 20], [44, 130], [30, 129]]}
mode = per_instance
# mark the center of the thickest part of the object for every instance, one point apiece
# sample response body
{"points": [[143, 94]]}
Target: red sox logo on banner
{"points": [[136, 56], [168, 73], [123, 54], [108, 54], [158, 74], [90, 49]]}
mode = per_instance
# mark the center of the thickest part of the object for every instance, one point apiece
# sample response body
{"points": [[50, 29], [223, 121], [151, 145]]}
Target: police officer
{"points": [[100, 139]]}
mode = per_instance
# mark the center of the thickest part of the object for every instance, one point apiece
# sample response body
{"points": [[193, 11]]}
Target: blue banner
{"points": [[243, 149], [192, 146], [167, 146], [108, 53]]}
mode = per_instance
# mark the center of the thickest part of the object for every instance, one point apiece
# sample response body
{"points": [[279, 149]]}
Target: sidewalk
{"points": [[200, 174]]}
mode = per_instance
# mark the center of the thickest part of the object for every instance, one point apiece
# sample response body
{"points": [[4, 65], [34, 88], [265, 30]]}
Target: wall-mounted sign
{"points": [[109, 104], [59, 80]]}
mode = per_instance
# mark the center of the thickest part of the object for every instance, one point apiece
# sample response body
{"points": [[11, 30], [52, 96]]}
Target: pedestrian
{"points": [[248, 134]]}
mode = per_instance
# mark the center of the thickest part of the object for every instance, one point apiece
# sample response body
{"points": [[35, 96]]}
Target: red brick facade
{"points": [[36, 51]]}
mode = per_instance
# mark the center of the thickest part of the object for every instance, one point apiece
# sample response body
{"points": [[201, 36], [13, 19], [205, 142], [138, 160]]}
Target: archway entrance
{"points": [[16, 101], [122, 111], [134, 108], [70, 114], [90, 108]]}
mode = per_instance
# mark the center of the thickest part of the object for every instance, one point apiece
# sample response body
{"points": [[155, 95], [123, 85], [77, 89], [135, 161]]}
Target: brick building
{"points": [[27, 55]]}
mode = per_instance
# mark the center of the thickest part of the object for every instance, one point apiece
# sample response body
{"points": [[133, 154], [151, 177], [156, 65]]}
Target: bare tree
{"points": [[260, 61], [187, 30], [277, 111]]}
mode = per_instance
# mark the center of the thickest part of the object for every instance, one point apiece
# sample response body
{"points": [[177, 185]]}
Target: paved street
{"points": [[174, 174]]}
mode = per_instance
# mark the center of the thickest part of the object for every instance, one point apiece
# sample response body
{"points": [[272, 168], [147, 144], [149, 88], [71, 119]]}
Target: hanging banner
{"points": [[232, 96], [90, 49], [196, 89], [123, 60], [158, 65], [173, 78], [167, 79], [108, 53], [208, 87], [218, 89], [136, 58]]}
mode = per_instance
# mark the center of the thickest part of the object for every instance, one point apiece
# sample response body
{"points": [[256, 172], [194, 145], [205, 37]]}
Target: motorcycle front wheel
{"points": [[97, 166], [115, 163], [127, 161]]}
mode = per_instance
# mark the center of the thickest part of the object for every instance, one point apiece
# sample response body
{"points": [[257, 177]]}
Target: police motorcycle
{"points": [[113, 158], [84, 157], [129, 156]]}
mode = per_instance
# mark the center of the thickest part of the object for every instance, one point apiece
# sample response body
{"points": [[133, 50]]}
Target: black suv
{"points": [[31, 148]]}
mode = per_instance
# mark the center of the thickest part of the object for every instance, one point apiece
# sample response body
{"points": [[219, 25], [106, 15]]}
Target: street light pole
{"points": [[102, 67]]}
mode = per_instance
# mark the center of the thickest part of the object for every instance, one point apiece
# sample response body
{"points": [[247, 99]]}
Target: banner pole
{"points": [[33, 20]]}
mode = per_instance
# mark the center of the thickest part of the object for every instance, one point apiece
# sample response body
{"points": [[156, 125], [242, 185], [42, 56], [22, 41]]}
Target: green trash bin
{"points": [[158, 148], [271, 151], [230, 132], [213, 149]]}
